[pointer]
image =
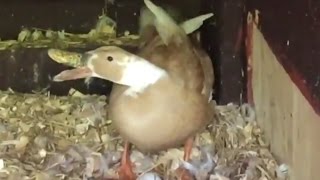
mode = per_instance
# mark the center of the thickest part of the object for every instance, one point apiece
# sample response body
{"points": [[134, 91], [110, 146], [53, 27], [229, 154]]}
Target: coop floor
{"points": [[49, 137]]}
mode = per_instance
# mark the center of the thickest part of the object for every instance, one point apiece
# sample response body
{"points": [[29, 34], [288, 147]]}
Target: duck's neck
{"points": [[139, 74]]}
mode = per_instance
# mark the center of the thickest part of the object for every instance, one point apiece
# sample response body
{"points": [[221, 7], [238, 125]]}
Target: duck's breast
{"points": [[164, 116]]}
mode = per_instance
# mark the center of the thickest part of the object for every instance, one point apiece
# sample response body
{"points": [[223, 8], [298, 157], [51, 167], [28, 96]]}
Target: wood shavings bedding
{"points": [[69, 137]]}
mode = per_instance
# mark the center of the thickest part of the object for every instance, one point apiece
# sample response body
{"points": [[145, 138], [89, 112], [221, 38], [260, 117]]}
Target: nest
{"points": [[69, 137], [46, 137]]}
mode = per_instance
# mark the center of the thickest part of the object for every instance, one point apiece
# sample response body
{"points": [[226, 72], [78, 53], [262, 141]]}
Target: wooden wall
{"points": [[283, 52], [290, 122], [221, 36]]}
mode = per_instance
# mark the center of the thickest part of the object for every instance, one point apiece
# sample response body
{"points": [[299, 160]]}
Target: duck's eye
{"points": [[110, 58]]}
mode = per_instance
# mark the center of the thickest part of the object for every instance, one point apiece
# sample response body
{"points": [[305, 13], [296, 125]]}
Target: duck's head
{"points": [[117, 65]]}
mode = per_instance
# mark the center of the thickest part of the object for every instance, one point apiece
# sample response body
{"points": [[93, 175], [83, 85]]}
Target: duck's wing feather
{"points": [[147, 28], [169, 31], [191, 25]]}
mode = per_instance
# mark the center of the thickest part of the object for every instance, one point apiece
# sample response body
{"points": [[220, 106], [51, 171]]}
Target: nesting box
{"points": [[263, 53]]}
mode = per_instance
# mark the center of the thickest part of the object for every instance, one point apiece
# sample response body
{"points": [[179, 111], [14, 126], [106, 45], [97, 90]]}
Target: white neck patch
{"points": [[139, 74]]}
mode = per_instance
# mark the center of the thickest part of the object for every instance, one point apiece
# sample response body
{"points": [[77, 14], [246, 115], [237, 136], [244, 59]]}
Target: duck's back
{"points": [[180, 61]]}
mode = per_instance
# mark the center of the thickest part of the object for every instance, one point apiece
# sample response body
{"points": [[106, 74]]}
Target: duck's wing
{"points": [[206, 64], [190, 26], [173, 50], [207, 67]]}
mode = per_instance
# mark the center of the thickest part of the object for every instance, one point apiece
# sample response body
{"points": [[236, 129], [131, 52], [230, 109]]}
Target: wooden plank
{"points": [[289, 121]]}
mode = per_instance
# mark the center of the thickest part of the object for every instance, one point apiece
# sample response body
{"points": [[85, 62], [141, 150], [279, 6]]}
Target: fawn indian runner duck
{"points": [[161, 96]]}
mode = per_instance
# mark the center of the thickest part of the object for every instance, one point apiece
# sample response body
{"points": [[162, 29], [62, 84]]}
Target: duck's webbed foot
{"points": [[125, 170], [182, 173]]}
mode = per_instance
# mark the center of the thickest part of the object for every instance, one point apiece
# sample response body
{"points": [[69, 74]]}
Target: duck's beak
{"points": [[78, 73]]}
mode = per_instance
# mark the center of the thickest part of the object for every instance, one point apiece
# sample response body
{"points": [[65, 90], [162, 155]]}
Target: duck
{"points": [[161, 95]]}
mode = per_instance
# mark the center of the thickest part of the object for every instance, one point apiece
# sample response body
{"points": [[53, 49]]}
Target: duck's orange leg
{"points": [[183, 174], [125, 170], [188, 148]]}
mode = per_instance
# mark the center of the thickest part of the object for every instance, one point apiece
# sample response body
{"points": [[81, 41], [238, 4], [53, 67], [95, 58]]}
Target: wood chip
{"points": [[45, 136]]}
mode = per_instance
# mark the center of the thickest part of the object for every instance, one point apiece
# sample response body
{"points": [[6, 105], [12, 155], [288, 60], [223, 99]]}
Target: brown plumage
{"points": [[171, 99], [170, 111], [174, 108]]}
